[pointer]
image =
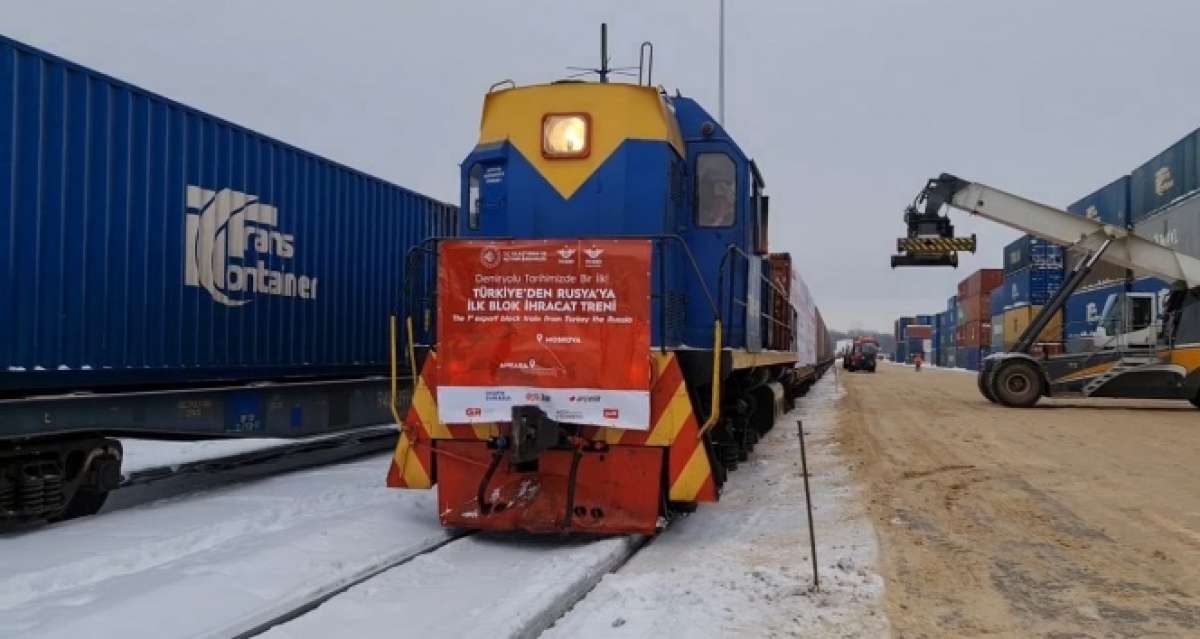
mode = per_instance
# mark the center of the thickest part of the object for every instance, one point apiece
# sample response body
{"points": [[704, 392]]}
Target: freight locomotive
{"points": [[608, 336]]}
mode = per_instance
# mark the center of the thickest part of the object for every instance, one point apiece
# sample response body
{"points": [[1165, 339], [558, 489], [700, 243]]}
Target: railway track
{"points": [[162, 481], [449, 590]]}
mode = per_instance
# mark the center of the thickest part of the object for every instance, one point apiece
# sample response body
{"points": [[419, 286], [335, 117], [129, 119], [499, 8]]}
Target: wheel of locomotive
{"points": [[719, 473], [985, 387], [726, 444], [744, 446], [1195, 399], [1017, 383], [84, 503]]}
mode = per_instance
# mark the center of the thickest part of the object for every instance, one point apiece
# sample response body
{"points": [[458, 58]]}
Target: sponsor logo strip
{"points": [[476, 405]]}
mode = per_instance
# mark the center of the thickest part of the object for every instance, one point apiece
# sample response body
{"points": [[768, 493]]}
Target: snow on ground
{"points": [[209, 564], [742, 567], [489, 587], [141, 454]]}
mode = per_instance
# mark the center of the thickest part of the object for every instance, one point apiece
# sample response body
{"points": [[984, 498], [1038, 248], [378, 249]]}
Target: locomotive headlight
{"points": [[566, 135]]}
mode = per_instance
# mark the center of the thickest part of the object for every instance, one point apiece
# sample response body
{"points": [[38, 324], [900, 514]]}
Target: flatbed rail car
{"points": [[604, 340], [171, 274]]}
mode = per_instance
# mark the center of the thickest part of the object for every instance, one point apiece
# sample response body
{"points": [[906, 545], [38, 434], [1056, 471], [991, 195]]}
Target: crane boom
{"points": [[1124, 248]]}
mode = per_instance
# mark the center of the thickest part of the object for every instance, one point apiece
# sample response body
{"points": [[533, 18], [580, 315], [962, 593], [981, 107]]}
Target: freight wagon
{"points": [[194, 277]]}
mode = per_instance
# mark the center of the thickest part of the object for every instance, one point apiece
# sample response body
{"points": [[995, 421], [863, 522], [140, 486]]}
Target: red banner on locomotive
{"points": [[562, 325]]}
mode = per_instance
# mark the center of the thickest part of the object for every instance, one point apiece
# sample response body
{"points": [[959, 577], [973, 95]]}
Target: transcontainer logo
{"points": [[1163, 181], [229, 237]]}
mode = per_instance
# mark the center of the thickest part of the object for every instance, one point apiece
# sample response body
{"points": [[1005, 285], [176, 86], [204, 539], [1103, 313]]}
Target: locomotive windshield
{"points": [[716, 190]]}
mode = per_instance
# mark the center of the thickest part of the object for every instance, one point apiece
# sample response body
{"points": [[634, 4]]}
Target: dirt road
{"points": [[1072, 519]]}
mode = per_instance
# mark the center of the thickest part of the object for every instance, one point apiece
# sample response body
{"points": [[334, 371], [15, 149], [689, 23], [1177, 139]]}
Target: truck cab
{"points": [[862, 356], [1129, 321]]}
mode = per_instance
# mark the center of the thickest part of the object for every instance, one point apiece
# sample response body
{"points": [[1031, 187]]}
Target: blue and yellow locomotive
{"points": [[733, 335]]}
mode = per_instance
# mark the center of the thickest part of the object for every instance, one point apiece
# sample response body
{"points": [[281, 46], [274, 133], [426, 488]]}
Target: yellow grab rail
{"points": [[393, 403], [714, 410]]}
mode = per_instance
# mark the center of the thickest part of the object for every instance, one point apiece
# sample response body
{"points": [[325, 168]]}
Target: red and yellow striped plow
{"points": [[412, 464], [617, 491], [673, 425]]}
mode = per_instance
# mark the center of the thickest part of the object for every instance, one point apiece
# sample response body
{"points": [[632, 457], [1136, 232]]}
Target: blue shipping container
{"points": [[1032, 251], [1168, 176], [148, 242], [1001, 297], [1109, 204], [1032, 286], [970, 358]]}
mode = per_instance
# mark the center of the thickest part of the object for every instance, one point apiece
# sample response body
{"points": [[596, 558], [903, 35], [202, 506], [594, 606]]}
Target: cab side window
{"points": [[716, 190]]}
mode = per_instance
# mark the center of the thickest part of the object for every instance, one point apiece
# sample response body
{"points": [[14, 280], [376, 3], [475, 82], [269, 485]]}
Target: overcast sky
{"points": [[846, 105]]}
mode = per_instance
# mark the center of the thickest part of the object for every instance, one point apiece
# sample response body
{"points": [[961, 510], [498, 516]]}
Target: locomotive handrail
{"points": [[730, 250]]}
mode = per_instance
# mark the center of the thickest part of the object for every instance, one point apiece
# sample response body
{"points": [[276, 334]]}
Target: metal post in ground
{"points": [[812, 535]]}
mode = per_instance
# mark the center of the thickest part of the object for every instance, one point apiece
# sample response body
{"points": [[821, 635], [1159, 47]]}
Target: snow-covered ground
{"points": [[489, 587], [213, 563], [741, 568], [141, 454], [224, 561]]}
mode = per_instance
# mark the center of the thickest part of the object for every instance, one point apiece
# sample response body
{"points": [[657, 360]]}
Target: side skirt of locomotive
{"points": [[540, 476]]}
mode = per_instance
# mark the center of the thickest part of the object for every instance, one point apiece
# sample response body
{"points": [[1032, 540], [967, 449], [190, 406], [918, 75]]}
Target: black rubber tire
{"points": [[985, 388], [1017, 384], [1195, 400]]}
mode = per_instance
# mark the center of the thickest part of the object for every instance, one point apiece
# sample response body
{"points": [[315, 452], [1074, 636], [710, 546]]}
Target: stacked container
{"points": [[1163, 205], [898, 331], [1166, 178], [1176, 227], [1000, 299], [1033, 274], [939, 354], [914, 335], [946, 335], [1108, 204], [918, 338], [973, 334]]}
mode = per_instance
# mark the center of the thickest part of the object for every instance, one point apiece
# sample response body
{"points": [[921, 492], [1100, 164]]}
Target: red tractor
{"points": [[862, 355]]}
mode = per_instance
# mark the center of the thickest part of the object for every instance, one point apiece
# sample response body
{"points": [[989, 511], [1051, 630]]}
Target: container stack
{"points": [[1033, 273], [973, 334], [1165, 197], [918, 338], [898, 332], [1000, 299], [947, 335], [938, 354], [1160, 200]]}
